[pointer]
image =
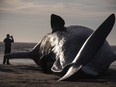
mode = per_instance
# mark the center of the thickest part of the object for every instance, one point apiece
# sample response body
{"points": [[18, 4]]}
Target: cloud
{"points": [[70, 9], [38, 7], [41, 9], [10, 4], [34, 14], [21, 7]]}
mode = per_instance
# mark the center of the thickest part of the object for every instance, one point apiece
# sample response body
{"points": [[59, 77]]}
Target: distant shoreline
{"points": [[24, 42]]}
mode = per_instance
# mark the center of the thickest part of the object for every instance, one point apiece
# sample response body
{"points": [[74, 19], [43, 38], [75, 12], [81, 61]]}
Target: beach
{"points": [[25, 73]]}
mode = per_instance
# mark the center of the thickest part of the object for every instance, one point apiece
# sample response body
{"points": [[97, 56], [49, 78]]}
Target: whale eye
{"points": [[57, 23]]}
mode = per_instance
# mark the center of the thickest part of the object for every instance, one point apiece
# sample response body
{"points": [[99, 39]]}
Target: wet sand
{"points": [[25, 73]]}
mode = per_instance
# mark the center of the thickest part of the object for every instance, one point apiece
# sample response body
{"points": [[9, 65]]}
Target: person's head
{"points": [[8, 35]]}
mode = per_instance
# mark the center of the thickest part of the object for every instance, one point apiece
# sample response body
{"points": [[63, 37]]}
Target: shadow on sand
{"points": [[109, 76], [18, 69]]}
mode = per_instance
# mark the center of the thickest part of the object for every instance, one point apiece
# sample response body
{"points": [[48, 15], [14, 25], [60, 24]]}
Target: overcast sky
{"points": [[29, 20]]}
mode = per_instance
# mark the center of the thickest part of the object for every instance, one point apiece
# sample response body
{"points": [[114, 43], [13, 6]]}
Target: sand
{"points": [[25, 73]]}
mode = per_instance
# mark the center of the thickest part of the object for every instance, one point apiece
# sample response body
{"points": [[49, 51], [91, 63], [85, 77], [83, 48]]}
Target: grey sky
{"points": [[29, 20]]}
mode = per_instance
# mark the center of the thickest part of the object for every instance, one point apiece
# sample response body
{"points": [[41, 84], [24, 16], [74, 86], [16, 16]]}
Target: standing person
{"points": [[8, 40]]}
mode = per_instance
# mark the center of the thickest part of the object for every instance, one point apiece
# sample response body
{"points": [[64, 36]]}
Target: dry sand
{"points": [[27, 74]]}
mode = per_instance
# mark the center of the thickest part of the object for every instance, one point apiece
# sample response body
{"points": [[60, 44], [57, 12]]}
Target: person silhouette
{"points": [[8, 40]]}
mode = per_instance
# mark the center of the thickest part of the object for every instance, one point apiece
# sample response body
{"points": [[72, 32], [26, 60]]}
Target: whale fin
{"points": [[91, 46], [57, 23]]}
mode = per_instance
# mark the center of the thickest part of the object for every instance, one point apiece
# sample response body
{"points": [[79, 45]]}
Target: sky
{"points": [[29, 20]]}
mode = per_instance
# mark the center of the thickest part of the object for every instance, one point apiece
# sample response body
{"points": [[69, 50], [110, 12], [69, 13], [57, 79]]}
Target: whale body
{"points": [[66, 50]]}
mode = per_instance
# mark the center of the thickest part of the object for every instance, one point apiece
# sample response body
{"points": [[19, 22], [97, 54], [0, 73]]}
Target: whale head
{"points": [[75, 48]]}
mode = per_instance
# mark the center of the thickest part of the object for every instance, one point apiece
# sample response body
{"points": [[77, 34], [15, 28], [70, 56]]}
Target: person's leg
{"points": [[4, 60], [8, 63]]}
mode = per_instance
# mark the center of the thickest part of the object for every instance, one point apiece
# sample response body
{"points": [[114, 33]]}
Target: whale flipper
{"points": [[91, 46]]}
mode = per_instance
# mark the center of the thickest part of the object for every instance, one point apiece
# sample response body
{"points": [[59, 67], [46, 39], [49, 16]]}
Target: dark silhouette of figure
{"points": [[8, 40]]}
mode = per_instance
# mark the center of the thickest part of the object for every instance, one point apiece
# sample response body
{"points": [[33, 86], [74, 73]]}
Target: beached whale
{"points": [[66, 50]]}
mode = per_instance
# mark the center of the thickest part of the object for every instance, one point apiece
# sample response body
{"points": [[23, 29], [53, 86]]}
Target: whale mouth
{"points": [[91, 46]]}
